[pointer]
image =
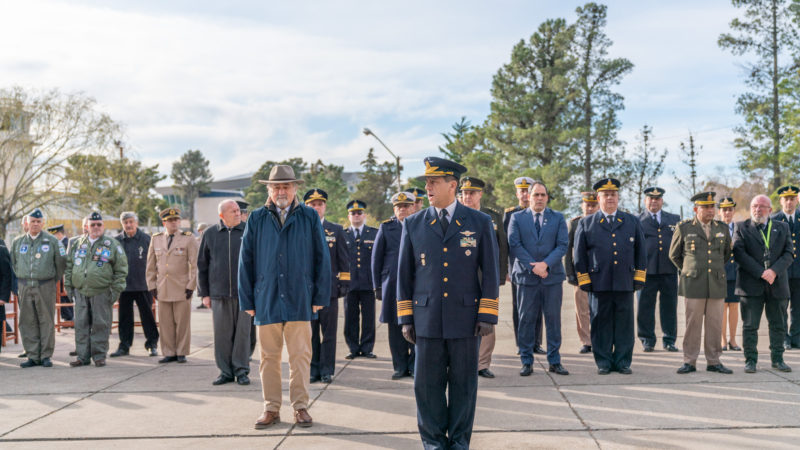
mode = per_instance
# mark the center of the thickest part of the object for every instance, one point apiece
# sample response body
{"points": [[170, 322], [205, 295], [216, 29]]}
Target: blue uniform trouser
{"points": [[667, 286], [535, 301], [612, 328], [323, 340], [360, 337], [446, 389], [402, 350], [793, 314]]}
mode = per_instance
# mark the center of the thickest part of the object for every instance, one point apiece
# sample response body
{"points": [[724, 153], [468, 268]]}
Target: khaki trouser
{"points": [[696, 310], [93, 316], [37, 306], [298, 344], [174, 323], [485, 350], [582, 316]]}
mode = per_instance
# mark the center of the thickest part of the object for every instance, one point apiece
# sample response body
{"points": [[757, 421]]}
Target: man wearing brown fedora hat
{"points": [[284, 279]]}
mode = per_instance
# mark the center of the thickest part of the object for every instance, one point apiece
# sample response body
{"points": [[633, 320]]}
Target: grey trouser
{"points": [[231, 336], [37, 308], [92, 325]]}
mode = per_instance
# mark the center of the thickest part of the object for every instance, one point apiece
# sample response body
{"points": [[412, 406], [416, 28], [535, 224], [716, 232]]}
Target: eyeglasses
{"points": [[93, 225]]}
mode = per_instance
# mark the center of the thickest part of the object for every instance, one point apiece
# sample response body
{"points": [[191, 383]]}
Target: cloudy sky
{"points": [[250, 81]]}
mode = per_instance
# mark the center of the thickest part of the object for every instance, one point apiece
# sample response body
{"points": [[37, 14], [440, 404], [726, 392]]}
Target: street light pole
{"points": [[368, 132]]}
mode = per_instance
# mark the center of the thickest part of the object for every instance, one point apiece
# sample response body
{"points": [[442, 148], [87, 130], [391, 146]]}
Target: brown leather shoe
{"points": [[267, 419], [100, 363], [302, 419], [78, 363]]}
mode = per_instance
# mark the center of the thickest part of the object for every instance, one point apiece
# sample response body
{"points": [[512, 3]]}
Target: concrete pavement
{"points": [[135, 402]]}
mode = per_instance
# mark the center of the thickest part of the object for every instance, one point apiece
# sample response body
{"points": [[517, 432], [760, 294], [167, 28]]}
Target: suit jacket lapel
{"points": [[456, 223], [433, 221]]}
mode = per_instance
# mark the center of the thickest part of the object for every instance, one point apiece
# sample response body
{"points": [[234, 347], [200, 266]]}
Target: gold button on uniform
{"points": [[445, 249], [445, 279], [445, 264], [615, 262], [445, 294], [613, 235]]}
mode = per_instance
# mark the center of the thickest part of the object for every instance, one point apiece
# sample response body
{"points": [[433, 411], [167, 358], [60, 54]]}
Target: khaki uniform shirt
{"points": [[172, 270]]}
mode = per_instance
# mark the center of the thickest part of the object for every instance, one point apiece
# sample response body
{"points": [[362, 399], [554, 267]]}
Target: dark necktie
{"points": [[537, 224], [169, 240], [610, 219], [444, 221], [358, 235], [655, 217]]}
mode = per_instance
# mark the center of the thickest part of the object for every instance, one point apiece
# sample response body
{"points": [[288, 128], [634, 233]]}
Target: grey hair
{"points": [[222, 204], [128, 215]]}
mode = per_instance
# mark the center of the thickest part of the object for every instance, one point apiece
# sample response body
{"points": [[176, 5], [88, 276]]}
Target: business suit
{"points": [[661, 281], [536, 295], [792, 327], [440, 292], [360, 299], [510, 211], [610, 263], [384, 278], [756, 294]]}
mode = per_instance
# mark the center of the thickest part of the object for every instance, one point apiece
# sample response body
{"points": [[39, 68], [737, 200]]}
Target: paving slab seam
{"points": [[588, 428]]}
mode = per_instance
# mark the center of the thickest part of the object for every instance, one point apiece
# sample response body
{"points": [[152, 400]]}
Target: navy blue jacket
{"points": [[5, 273], [658, 238], [526, 247], [731, 267], [384, 266], [446, 283], [610, 257], [136, 250], [283, 270], [794, 270], [360, 258], [340, 257]]}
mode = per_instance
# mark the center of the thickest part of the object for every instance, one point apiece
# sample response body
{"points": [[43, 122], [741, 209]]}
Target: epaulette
{"points": [[388, 220], [159, 233], [510, 208], [685, 221], [493, 210], [187, 233]]}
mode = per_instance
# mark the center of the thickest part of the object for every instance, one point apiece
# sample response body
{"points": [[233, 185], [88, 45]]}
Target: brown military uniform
{"points": [[172, 270]]}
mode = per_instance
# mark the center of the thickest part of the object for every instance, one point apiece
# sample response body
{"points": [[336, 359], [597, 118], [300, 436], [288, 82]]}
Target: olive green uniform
{"points": [[38, 263], [95, 277]]}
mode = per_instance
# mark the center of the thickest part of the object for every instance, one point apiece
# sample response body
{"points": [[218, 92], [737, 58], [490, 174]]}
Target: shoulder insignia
{"points": [[510, 208], [187, 233], [387, 221], [158, 234], [684, 221]]}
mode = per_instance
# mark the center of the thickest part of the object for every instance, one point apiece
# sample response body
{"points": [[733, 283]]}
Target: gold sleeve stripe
{"points": [[404, 308], [489, 306], [583, 279], [344, 276], [640, 275]]}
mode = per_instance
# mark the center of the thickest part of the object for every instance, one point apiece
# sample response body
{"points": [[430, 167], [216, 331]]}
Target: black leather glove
{"points": [[189, 293], [154, 293], [483, 329], [379, 294], [409, 334], [342, 291]]}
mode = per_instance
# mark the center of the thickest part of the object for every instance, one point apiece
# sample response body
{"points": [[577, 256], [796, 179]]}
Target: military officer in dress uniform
{"points": [[323, 327], [471, 194], [790, 215], [730, 316], [172, 279], [610, 263], [589, 207], [37, 258], [521, 184], [384, 279], [700, 248], [447, 297], [360, 300], [420, 196], [662, 279]]}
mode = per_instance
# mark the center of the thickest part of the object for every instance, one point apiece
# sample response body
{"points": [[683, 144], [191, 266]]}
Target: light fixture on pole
{"points": [[368, 132]]}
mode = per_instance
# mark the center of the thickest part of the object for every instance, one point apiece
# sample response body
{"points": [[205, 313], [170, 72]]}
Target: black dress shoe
{"points": [[527, 369], [350, 356], [750, 367], [222, 379], [119, 352], [327, 379], [724, 348], [369, 355], [153, 352], [671, 348], [485, 373], [244, 380], [586, 349], [686, 368], [46, 362], [719, 368], [559, 369], [28, 363], [780, 365], [398, 375], [167, 359], [539, 350], [734, 348], [411, 373], [603, 371], [25, 355], [625, 370], [648, 348], [314, 379], [181, 359]]}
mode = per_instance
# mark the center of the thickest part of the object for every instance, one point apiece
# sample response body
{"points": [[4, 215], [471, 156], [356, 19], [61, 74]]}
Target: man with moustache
{"points": [[588, 207], [384, 279], [791, 216], [610, 263], [762, 248]]}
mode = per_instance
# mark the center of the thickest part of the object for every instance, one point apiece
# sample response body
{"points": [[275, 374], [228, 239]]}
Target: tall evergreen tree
{"points": [[378, 184], [328, 177], [191, 175]]}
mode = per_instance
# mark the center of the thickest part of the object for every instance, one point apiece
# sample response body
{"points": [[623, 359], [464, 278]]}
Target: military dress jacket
{"points": [[340, 257], [749, 252], [361, 257], [439, 289], [794, 227], [657, 238], [569, 265], [731, 267], [527, 247], [502, 242], [384, 267], [172, 271], [39, 259], [610, 256], [701, 260]]}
